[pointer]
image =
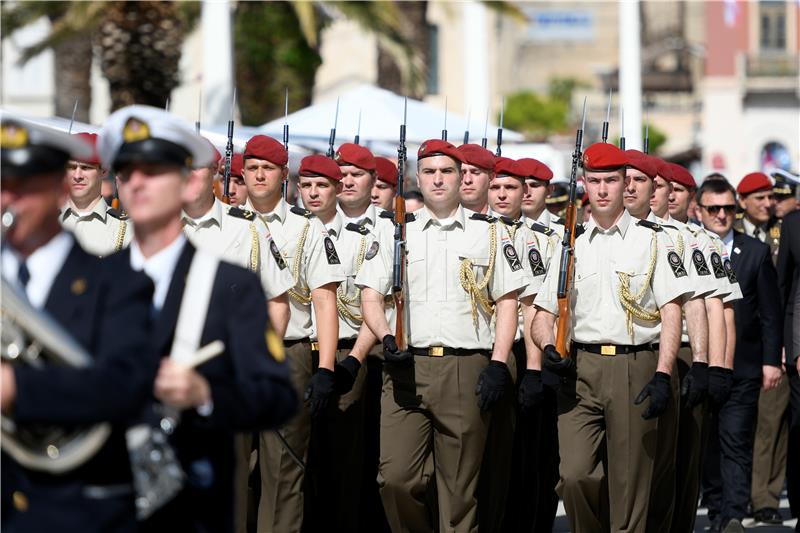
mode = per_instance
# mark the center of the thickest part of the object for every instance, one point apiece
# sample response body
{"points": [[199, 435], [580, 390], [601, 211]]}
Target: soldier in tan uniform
{"points": [[100, 229], [311, 257], [456, 281], [236, 188], [627, 282], [537, 189], [385, 187], [475, 179]]}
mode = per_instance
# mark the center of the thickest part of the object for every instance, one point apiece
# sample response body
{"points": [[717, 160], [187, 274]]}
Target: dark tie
{"points": [[23, 275], [757, 233]]}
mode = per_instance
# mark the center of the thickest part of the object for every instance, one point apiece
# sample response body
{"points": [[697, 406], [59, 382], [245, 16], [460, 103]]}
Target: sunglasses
{"points": [[714, 209]]}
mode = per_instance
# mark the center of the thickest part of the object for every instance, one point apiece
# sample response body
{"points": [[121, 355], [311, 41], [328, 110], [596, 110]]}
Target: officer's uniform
{"points": [[104, 306], [613, 300], [249, 382], [311, 257], [430, 405], [771, 442]]}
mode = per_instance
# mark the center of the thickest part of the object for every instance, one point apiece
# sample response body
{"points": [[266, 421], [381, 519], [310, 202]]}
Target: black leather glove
{"points": [[492, 384], [346, 373], [659, 391], [531, 390], [720, 382], [694, 388], [319, 391], [393, 354], [561, 366]]}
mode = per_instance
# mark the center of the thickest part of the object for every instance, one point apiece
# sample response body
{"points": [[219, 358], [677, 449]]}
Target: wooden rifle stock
{"points": [[400, 253], [563, 302]]}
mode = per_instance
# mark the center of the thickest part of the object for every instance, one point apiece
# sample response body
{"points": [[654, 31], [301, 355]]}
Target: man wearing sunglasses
{"points": [[756, 362]]}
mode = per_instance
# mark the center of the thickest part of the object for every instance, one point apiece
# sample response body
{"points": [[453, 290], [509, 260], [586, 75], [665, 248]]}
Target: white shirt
{"points": [[44, 264], [159, 267]]}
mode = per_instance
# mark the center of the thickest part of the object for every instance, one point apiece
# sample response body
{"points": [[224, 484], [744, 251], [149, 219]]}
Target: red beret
{"points": [[386, 170], [642, 162], [507, 167], [434, 147], [477, 156], [266, 148], [755, 181], [356, 155], [91, 139], [319, 165], [533, 168], [237, 165], [664, 169], [679, 174], [603, 156]]}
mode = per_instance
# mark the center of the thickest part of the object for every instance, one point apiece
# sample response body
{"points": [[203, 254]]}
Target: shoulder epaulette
{"points": [[238, 212], [510, 221], [297, 210], [363, 230], [386, 214], [651, 225], [541, 228], [580, 229], [410, 217], [481, 216], [116, 213], [558, 220]]}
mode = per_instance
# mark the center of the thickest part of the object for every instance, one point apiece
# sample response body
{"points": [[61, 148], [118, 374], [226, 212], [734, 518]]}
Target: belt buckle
{"points": [[436, 351], [608, 349], [314, 346]]}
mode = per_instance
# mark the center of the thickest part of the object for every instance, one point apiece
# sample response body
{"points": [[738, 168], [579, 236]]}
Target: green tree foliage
{"points": [[657, 138], [539, 116]]}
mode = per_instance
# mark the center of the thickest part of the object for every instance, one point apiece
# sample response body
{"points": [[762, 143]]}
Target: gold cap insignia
{"points": [[13, 136], [275, 345], [78, 286], [338, 156], [135, 130], [423, 148]]}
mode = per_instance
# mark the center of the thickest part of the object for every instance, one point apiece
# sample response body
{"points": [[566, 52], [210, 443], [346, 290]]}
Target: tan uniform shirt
{"points": [[719, 254], [100, 231], [309, 253], [236, 239], [598, 316], [439, 309], [550, 221]]}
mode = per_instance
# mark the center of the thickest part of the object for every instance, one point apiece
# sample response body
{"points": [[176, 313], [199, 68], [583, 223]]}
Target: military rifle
{"points": [[332, 138], [484, 140], [621, 128], [444, 131], [498, 151], [285, 185], [608, 116], [199, 112], [226, 174], [399, 265], [357, 139], [646, 144], [568, 245], [72, 120], [466, 131]]}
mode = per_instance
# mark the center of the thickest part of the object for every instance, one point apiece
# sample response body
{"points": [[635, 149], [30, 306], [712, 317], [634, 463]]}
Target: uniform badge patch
{"points": [[729, 271], [273, 248], [511, 256], [676, 264], [716, 265], [700, 263], [373, 250], [330, 252], [535, 259]]}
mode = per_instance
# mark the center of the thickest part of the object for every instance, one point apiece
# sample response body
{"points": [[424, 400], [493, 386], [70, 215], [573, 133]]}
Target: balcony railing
{"points": [[772, 65]]}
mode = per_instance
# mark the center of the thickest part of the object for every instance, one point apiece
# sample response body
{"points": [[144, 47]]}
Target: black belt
{"points": [[612, 349], [343, 344], [440, 351], [657, 345], [289, 343]]}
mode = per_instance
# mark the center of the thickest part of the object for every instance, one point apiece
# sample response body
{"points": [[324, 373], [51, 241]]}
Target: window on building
{"points": [[772, 16]]}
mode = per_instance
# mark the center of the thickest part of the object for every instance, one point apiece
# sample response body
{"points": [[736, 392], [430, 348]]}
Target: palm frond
{"points": [[307, 17], [510, 9]]}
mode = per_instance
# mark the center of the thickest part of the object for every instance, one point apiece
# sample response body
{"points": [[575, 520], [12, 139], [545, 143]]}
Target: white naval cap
{"points": [[139, 134], [28, 148]]}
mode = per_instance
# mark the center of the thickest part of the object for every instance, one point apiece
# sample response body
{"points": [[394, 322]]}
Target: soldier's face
{"points": [[153, 193], [264, 179], [637, 193], [439, 179], [505, 195], [205, 180], [319, 194], [758, 206], [659, 202], [35, 202], [474, 184], [356, 186], [237, 190], [784, 204], [679, 200], [717, 211], [84, 181], [535, 194], [382, 195], [605, 192]]}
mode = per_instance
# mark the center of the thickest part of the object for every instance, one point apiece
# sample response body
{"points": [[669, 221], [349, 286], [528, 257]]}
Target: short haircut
{"points": [[714, 186], [412, 194], [715, 176], [456, 161]]}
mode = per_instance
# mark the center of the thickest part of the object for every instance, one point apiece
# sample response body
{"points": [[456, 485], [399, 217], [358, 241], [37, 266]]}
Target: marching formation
{"points": [[455, 356]]}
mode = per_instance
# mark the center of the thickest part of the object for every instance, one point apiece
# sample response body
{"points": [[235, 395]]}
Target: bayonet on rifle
{"points": [[485, 139], [621, 128], [498, 151], [332, 139], [444, 131], [608, 116], [357, 139], [226, 175], [72, 120], [466, 131]]}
